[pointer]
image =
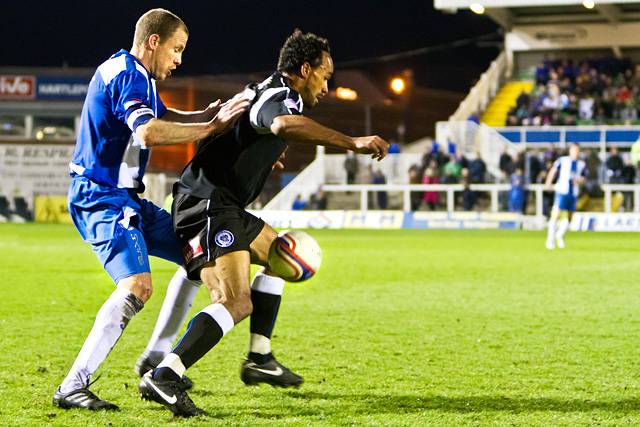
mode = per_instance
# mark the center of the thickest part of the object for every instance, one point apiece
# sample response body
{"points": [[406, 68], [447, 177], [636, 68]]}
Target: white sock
{"points": [[563, 226], [112, 318], [173, 362], [180, 294], [551, 232], [262, 282], [269, 285], [259, 344]]}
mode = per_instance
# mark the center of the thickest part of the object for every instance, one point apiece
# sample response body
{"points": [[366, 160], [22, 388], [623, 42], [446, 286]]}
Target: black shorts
{"points": [[210, 228]]}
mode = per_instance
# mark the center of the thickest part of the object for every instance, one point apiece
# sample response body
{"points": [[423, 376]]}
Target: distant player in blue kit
{"points": [[517, 194], [122, 118], [571, 173]]}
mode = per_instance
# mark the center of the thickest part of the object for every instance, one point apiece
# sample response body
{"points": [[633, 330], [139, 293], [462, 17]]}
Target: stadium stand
{"points": [[596, 91]]}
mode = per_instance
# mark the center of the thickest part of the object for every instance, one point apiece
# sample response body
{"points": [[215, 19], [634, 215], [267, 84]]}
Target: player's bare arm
{"points": [[164, 132], [305, 130], [202, 116], [550, 177]]}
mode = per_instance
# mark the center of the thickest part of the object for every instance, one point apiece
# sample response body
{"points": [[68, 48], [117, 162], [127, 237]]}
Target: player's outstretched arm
{"points": [[164, 132], [305, 130], [202, 116], [550, 177]]}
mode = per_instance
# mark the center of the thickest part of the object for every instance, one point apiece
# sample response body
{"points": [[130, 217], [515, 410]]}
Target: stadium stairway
{"points": [[496, 113]]}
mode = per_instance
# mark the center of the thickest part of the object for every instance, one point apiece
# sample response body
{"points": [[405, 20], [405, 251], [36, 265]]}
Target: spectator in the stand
{"points": [[377, 177], [628, 177], [523, 101], [351, 167], [517, 194], [599, 91], [627, 111], [535, 165], [518, 160], [468, 195], [394, 156], [477, 169], [635, 152], [586, 107], [614, 165], [318, 200], [505, 164], [542, 74], [298, 203], [451, 171], [415, 178], [431, 198], [321, 200], [435, 153], [624, 94], [593, 163]]}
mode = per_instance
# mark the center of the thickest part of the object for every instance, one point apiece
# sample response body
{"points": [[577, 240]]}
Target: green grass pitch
{"points": [[399, 328]]}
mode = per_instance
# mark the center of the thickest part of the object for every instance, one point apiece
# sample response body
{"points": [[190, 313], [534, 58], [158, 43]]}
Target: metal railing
{"points": [[632, 188], [449, 189]]}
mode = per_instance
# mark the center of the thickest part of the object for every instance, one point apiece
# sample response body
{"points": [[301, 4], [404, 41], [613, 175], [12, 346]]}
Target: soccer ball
{"points": [[295, 256]]}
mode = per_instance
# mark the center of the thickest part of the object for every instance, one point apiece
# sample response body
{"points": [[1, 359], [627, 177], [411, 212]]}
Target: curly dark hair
{"points": [[300, 48]]}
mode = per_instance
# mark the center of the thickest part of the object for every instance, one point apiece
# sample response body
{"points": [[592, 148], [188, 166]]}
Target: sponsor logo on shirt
{"points": [[192, 250]]}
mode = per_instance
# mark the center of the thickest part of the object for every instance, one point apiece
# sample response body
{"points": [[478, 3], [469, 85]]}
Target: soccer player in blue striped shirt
{"points": [[122, 118]]}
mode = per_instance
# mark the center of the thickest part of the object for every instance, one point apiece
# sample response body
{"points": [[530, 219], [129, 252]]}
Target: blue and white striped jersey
{"points": [[568, 171], [122, 95]]}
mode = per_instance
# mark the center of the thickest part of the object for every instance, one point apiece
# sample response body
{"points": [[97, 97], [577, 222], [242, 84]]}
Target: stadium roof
{"points": [[510, 13]]}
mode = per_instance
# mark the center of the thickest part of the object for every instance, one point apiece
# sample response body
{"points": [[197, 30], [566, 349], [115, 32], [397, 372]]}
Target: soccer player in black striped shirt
{"points": [[220, 239]]}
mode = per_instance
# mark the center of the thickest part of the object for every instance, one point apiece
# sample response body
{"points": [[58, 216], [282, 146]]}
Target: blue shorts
{"points": [[566, 202], [123, 229]]}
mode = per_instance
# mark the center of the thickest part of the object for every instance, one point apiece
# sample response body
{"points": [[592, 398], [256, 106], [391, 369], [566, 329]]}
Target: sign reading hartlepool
{"points": [[25, 87]]}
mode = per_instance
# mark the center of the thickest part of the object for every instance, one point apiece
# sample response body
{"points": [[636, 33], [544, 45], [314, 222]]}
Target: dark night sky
{"points": [[244, 36]]}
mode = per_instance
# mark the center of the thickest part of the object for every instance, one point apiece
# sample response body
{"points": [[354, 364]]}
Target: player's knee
{"points": [[143, 291], [139, 285]]}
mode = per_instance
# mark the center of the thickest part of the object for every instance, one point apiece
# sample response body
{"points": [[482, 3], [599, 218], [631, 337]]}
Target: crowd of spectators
{"points": [[442, 165], [598, 91], [519, 170], [317, 202]]}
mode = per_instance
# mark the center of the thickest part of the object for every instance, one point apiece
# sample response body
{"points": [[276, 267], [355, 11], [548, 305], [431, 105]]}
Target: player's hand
{"points": [[212, 109], [229, 112], [373, 145], [279, 164]]}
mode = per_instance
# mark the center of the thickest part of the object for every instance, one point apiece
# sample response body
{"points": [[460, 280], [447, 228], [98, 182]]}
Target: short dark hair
{"points": [[160, 22], [300, 48]]}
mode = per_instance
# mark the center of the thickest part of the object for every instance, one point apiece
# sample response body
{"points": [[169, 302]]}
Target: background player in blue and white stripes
{"points": [[122, 118], [571, 173]]}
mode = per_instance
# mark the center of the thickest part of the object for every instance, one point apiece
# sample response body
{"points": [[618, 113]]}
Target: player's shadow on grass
{"points": [[368, 403]]}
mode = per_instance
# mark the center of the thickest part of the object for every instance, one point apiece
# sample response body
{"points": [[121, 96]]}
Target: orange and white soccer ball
{"points": [[295, 256]]}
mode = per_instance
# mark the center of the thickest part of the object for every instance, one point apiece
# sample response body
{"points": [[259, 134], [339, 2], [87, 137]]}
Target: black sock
{"points": [[203, 333], [165, 374], [260, 359], [263, 320], [265, 312]]}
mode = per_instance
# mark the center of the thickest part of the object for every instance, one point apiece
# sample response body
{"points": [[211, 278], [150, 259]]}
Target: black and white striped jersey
{"points": [[238, 162]]}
